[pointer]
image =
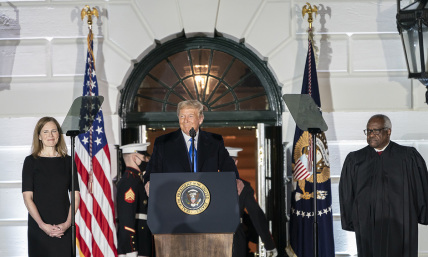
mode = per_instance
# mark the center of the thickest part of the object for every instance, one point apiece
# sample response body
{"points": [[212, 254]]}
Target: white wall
{"points": [[361, 70]]}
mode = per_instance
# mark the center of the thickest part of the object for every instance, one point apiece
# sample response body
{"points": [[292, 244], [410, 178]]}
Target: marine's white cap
{"points": [[233, 151], [135, 148]]}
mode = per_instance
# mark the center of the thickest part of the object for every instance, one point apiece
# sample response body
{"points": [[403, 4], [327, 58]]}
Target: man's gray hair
{"points": [[193, 104], [386, 121]]}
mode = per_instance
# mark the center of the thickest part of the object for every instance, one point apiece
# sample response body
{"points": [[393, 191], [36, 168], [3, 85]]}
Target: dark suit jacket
{"points": [[170, 154]]}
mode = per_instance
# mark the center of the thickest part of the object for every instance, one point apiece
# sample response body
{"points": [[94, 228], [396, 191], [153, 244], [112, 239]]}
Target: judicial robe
{"points": [[383, 198]]}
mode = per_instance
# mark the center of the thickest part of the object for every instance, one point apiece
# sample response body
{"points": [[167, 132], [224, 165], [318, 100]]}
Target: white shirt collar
{"points": [[187, 139], [381, 150]]}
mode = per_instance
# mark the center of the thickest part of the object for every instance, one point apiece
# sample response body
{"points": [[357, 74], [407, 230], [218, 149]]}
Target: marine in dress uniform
{"points": [[134, 236], [256, 219]]}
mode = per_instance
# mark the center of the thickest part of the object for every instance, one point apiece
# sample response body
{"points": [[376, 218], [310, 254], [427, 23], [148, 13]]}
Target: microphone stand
{"points": [[314, 132], [192, 133], [308, 117], [72, 134]]}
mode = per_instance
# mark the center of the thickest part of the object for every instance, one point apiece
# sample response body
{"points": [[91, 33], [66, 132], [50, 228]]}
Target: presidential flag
{"points": [[302, 196], [95, 224]]}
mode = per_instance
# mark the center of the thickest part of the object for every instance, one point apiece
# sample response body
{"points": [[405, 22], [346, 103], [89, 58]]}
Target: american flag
{"points": [[95, 224], [302, 195], [301, 169]]}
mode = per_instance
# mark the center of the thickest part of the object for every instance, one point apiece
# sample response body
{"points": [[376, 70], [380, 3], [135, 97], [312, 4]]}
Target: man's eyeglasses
{"points": [[374, 131]]}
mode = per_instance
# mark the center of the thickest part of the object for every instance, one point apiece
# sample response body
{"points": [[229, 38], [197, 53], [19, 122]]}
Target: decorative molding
{"points": [[13, 222], [10, 184]]}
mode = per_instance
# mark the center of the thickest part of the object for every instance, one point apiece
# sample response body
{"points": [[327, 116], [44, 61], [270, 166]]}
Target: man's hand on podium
{"points": [[147, 187]]}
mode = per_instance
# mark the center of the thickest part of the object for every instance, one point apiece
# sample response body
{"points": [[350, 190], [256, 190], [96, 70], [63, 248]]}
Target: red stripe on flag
{"points": [[82, 244], [86, 216], [300, 171], [84, 176], [299, 174], [102, 180], [300, 167], [84, 212], [104, 225], [96, 252], [98, 214], [107, 152], [303, 176]]}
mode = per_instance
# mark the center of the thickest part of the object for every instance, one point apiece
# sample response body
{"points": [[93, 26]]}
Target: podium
{"points": [[193, 214]]}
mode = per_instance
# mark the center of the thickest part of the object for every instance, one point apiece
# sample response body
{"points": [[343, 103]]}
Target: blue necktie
{"points": [[190, 155]]}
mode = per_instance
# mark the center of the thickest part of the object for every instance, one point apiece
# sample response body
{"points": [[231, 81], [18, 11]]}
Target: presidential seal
{"points": [[300, 155], [193, 197]]}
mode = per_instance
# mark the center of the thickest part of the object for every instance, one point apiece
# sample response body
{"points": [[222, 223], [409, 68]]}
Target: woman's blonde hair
{"points": [[37, 145]]}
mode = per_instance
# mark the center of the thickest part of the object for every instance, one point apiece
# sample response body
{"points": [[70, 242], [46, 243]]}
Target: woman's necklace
{"points": [[43, 154]]}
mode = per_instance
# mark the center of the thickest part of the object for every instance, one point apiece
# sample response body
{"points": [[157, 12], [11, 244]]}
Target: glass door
{"points": [[271, 183]]}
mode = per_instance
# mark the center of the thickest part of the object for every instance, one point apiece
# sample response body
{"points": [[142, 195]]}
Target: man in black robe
{"points": [[383, 193]]}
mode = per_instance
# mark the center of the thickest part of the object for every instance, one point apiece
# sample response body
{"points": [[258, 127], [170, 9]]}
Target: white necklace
{"points": [[46, 155]]}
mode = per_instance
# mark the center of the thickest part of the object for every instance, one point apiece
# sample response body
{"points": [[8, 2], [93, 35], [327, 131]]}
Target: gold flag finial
{"points": [[307, 8], [88, 12]]}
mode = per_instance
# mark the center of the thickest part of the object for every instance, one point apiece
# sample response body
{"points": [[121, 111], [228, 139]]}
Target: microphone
{"points": [[192, 133]]}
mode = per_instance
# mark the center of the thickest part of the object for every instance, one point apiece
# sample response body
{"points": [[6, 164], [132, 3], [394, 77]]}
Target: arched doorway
{"points": [[234, 85], [238, 92]]}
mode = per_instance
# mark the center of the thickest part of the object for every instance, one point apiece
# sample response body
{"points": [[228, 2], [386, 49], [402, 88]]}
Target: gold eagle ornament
{"points": [[308, 9], [88, 12]]}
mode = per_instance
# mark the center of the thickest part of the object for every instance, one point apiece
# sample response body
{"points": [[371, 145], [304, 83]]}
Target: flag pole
{"points": [[92, 159], [308, 9], [89, 13], [73, 135]]}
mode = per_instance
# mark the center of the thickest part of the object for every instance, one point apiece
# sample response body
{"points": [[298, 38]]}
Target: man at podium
{"points": [[173, 152]]}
